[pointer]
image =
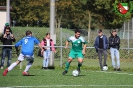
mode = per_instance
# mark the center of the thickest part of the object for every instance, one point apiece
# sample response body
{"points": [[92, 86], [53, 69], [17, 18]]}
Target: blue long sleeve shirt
{"points": [[27, 45]]}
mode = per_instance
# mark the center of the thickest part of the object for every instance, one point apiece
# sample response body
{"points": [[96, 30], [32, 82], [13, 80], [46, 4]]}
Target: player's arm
{"points": [[39, 44], [84, 49], [67, 43], [17, 45]]}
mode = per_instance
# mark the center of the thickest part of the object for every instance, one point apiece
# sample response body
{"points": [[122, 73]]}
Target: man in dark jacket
{"points": [[101, 45], [114, 43], [7, 39]]}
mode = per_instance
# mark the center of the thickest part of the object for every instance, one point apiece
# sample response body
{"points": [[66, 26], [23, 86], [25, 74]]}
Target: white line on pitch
{"points": [[113, 72], [71, 86]]}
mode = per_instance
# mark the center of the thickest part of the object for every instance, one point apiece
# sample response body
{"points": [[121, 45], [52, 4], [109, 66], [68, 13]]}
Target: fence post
{"points": [[21, 65], [128, 38], [61, 47]]}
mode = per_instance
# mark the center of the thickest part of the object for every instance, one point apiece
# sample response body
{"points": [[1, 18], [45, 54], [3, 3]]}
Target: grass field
{"points": [[55, 79], [90, 77]]}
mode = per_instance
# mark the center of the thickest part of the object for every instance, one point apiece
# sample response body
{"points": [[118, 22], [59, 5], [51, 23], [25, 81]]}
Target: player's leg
{"points": [[80, 60], [10, 67], [71, 56], [20, 58], [3, 58], [48, 56], [9, 55], [30, 62], [112, 58], [67, 65]]}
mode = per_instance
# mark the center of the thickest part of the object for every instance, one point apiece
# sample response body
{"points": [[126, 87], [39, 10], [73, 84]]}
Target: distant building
{"points": [[3, 14]]}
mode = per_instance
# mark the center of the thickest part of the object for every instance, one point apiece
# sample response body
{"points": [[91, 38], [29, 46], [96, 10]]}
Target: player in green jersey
{"points": [[77, 50]]}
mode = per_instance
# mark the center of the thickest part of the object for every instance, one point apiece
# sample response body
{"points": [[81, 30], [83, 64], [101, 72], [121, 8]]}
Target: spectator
{"points": [[48, 42], [7, 39], [101, 45], [114, 43], [7, 27]]}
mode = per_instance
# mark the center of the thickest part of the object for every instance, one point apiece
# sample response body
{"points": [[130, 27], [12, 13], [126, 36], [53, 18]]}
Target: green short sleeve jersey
{"points": [[76, 43]]}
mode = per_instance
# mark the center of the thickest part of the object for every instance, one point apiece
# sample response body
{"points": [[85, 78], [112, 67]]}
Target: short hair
{"points": [[77, 30], [28, 32], [100, 30], [113, 30], [47, 34]]}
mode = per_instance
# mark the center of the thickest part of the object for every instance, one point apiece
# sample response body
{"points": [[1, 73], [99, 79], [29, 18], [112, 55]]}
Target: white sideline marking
{"points": [[72, 86], [113, 72]]}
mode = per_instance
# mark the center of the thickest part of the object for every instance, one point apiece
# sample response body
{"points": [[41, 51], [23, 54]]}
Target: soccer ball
{"points": [[75, 73], [105, 68]]}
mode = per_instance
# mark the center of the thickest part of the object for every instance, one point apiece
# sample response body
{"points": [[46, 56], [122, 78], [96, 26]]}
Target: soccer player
{"points": [[77, 51], [26, 52]]}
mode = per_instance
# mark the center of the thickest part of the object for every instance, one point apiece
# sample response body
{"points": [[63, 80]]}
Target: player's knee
{"points": [[31, 61], [69, 60], [18, 62], [80, 60]]}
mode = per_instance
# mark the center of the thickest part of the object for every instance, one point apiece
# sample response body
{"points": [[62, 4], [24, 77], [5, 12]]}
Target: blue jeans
{"points": [[46, 56], [8, 52], [115, 54]]}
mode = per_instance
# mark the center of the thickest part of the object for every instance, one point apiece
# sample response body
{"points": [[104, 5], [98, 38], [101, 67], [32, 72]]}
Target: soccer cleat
{"points": [[78, 69], [64, 72], [5, 72], [25, 73]]}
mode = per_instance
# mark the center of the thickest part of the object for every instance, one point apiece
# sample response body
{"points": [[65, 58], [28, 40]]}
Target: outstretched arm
{"points": [[40, 46]]}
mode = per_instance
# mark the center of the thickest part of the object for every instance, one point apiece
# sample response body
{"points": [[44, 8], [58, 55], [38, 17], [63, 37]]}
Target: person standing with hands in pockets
{"points": [[48, 42], [114, 43], [101, 46]]}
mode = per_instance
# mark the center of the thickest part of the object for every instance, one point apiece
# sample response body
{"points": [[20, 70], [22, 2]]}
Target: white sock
{"points": [[12, 66], [27, 67]]}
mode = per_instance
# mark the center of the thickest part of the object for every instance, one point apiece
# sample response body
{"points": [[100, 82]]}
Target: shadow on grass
{"points": [[28, 75], [21, 75], [75, 76]]}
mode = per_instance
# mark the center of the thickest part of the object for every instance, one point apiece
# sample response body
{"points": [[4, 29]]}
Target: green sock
{"points": [[67, 66], [79, 65]]}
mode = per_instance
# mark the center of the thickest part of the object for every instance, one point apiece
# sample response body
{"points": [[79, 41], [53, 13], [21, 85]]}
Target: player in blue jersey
{"points": [[26, 52]]}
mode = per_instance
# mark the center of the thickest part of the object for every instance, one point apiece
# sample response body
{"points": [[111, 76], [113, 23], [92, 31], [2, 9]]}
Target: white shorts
{"points": [[28, 57]]}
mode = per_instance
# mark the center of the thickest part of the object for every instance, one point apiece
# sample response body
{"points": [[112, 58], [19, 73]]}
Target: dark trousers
{"points": [[8, 52], [100, 52]]}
